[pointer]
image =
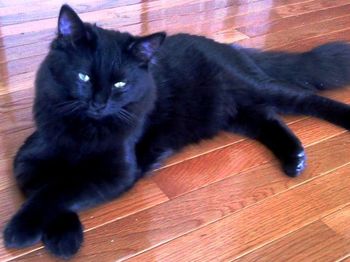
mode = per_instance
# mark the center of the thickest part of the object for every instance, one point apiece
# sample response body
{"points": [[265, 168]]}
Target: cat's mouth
{"points": [[95, 114], [122, 115]]}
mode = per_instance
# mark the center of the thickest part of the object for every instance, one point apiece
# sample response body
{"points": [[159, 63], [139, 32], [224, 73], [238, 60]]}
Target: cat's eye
{"points": [[83, 77], [119, 85]]}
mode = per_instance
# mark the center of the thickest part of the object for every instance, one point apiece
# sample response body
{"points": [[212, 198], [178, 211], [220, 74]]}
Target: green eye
{"points": [[119, 84], [83, 77]]}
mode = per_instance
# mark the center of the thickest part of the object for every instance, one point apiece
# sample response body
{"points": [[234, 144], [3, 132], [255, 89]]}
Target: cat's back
{"points": [[182, 41], [183, 53], [190, 56]]}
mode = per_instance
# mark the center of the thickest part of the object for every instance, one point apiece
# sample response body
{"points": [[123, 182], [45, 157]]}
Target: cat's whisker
{"points": [[68, 107], [74, 109], [63, 104], [126, 116]]}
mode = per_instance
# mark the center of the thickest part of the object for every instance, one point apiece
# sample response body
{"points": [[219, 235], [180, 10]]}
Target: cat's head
{"points": [[95, 75]]}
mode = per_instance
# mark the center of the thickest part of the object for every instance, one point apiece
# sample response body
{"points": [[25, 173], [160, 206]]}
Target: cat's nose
{"points": [[98, 106]]}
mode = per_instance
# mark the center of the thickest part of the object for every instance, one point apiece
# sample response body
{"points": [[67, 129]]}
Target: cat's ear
{"points": [[143, 48], [69, 24]]}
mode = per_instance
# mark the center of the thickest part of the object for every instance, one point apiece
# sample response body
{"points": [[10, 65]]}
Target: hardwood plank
{"points": [[6, 178], [15, 84], [314, 242], [307, 44], [11, 142], [144, 195], [157, 225], [238, 157], [345, 259], [252, 227], [22, 66], [295, 21], [339, 222], [306, 7], [12, 14], [302, 33], [11, 201]]}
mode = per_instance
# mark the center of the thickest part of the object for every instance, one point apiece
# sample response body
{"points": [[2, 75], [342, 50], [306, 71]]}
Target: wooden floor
{"points": [[223, 200]]}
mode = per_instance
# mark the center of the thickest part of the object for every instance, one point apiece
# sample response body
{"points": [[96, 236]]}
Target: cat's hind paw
{"points": [[64, 235], [293, 166]]}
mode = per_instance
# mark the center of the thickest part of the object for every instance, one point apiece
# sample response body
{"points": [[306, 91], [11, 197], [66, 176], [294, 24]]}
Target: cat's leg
{"points": [[50, 213], [41, 219], [63, 235], [291, 101], [31, 165], [152, 151], [322, 107], [267, 128]]}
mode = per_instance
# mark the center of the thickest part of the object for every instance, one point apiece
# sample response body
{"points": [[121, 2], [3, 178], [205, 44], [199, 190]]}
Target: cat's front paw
{"points": [[23, 230], [295, 164], [64, 235]]}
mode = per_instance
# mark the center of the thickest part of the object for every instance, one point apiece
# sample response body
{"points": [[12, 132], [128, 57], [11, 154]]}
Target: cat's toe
{"points": [[295, 165], [64, 236], [22, 231]]}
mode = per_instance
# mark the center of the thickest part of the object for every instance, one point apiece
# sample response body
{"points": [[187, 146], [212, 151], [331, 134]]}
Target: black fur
{"points": [[94, 141]]}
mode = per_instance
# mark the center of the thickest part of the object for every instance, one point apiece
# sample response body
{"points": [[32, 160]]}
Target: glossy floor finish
{"points": [[224, 199]]}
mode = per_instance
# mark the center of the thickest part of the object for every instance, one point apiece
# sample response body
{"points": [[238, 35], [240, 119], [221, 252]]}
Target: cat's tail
{"points": [[324, 67]]}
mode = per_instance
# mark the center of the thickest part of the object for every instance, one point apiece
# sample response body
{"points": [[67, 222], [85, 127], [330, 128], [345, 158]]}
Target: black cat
{"points": [[110, 106]]}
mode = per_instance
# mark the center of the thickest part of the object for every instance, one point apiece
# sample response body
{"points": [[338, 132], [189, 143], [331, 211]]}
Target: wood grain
{"points": [[232, 159], [345, 259], [297, 21], [299, 34], [252, 227], [314, 242], [339, 222], [308, 7]]}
